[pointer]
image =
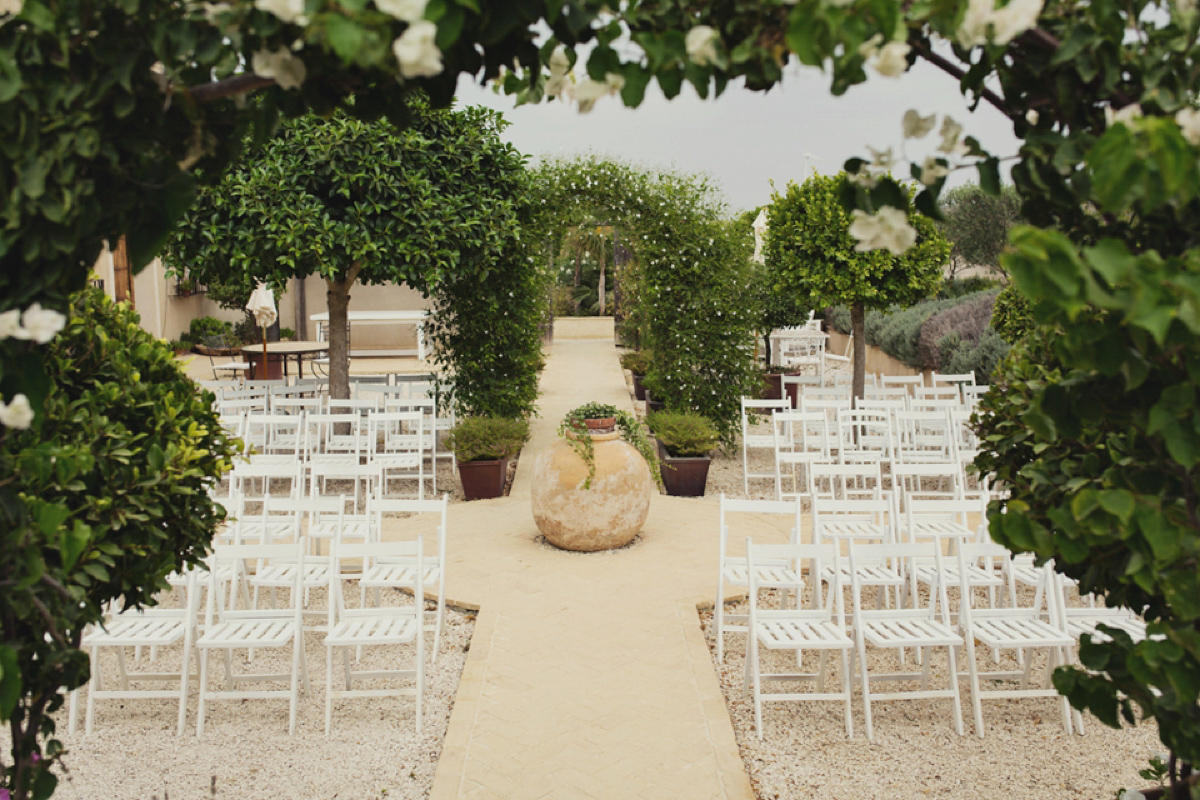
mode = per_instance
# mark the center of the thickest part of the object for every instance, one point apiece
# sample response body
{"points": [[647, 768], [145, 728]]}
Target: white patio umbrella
{"points": [[760, 236], [262, 305]]}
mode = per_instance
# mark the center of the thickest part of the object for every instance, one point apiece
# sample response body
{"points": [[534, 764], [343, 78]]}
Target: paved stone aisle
{"points": [[588, 675]]}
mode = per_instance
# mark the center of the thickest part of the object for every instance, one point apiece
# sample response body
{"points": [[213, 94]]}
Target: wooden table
{"points": [[416, 318], [283, 350]]}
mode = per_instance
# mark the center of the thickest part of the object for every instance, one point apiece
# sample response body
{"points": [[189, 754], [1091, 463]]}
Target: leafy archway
{"points": [[683, 283]]}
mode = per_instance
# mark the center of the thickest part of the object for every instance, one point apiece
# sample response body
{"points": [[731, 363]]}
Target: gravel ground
{"points": [[246, 752]]}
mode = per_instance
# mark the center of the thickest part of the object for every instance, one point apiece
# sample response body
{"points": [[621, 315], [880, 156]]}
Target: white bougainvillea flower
{"points": [[915, 126], [973, 30], [17, 414], [1188, 120], [286, 10], [557, 85], [587, 92], [1032, 116], [407, 10], [559, 62], [1014, 19], [868, 48], [417, 51], [888, 229], [287, 70], [932, 171], [891, 60], [10, 324], [701, 45], [1126, 115], [41, 324], [882, 159], [950, 133]]}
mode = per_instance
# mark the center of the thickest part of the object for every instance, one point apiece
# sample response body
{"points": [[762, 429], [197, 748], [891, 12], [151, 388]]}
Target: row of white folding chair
{"points": [[226, 627], [923, 627]]}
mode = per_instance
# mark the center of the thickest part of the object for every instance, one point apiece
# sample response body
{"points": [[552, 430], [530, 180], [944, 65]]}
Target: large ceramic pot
{"points": [[607, 515]]}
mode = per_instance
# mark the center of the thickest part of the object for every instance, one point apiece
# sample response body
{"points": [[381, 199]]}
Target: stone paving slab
{"points": [[588, 675]]}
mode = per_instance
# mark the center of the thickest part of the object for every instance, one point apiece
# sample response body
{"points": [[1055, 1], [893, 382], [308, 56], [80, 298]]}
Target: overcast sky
{"points": [[746, 140]]}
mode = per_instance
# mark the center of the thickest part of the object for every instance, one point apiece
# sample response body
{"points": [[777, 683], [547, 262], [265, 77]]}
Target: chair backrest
{"points": [[367, 554], [888, 404], [934, 403], [815, 560], [925, 436], [937, 392], [864, 435], [903, 556], [437, 508], [246, 471], [339, 433], [802, 435], [886, 392], [336, 405], [905, 381], [398, 432], [848, 481], [865, 520], [281, 434], [947, 379], [307, 512], [738, 512], [237, 556]]}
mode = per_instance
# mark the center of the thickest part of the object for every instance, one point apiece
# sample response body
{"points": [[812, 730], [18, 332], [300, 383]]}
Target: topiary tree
{"points": [[810, 246], [111, 485], [1012, 317], [439, 206]]}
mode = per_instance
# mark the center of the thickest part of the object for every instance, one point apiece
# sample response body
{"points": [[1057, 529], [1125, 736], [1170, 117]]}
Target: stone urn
{"points": [[607, 515]]}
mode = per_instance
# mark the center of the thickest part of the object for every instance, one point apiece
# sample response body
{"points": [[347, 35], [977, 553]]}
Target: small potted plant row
{"points": [[483, 446], [685, 441], [638, 364]]}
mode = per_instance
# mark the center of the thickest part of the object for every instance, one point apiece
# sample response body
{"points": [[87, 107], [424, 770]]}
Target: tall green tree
{"points": [[817, 260], [439, 206], [977, 224]]}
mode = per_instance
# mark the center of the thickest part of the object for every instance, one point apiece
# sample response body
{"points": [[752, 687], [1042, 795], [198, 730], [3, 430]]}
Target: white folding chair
{"points": [[339, 434], [399, 444], [733, 570], [865, 437], [753, 438], [387, 571], [389, 626], [862, 520], [801, 439], [821, 628], [906, 382], [137, 628], [925, 437], [922, 628], [1011, 628], [960, 381], [234, 629]]}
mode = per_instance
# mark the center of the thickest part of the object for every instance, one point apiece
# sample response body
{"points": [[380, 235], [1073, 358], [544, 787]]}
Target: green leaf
{"points": [[345, 36], [1117, 502], [989, 175], [74, 542]]}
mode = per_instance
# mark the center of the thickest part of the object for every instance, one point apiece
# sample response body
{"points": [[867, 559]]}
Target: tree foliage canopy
{"points": [[977, 223], [439, 206]]}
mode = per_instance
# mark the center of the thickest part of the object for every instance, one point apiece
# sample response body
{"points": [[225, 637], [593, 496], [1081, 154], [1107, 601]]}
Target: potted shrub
{"points": [[686, 441], [773, 382], [483, 447], [638, 364]]}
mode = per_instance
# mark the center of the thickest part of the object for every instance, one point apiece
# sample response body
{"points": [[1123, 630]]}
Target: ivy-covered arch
{"points": [[687, 279]]}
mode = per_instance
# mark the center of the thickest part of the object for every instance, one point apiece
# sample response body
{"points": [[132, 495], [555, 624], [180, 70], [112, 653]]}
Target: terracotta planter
{"points": [[609, 513], [639, 389], [482, 480], [601, 424], [683, 476], [773, 383]]}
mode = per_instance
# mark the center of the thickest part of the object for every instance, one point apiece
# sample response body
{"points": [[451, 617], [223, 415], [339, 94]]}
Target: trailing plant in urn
{"points": [[574, 423]]}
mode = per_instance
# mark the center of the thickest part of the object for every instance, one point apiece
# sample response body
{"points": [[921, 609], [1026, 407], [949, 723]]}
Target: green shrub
{"points": [[1012, 317], [113, 478], [968, 318], [981, 356], [959, 287], [684, 434], [638, 363], [838, 318], [487, 438], [203, 327]]}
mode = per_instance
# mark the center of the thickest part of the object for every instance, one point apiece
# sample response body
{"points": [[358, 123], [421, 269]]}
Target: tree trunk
{"points": [[858, 316], [338, 297], [601, 290]]}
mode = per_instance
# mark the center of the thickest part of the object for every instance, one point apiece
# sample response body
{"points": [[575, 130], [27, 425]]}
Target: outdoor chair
{"points": [[387, 570], [375, 626], [398, 444], [1020, 629], [138, 628], [227, 629], [734, 571], [754, 439], [236, 367], [923, 628], [821, 629], [801, 439]]}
